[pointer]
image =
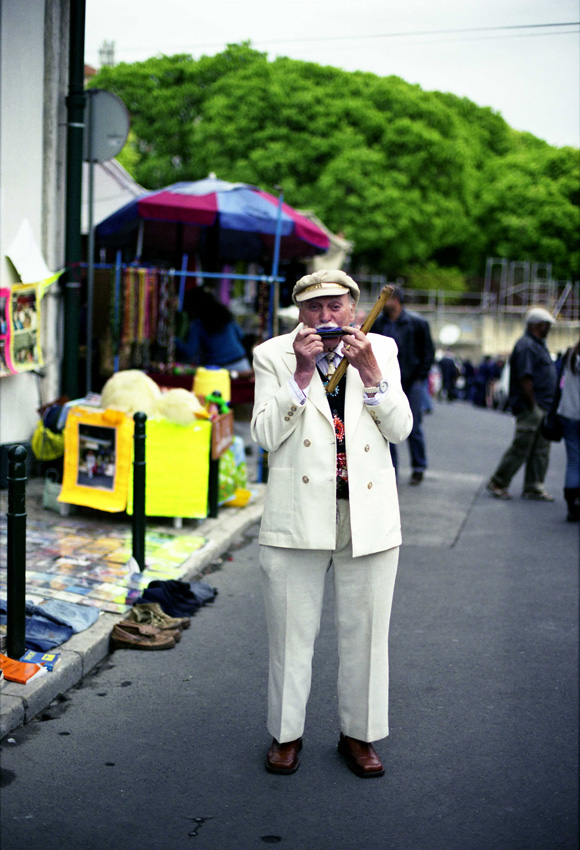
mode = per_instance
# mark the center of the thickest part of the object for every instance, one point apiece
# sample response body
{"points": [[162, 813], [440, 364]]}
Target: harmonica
{"points": [[326, 332]]}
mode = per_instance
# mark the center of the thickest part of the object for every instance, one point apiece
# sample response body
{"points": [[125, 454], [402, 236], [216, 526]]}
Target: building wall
{"points": [[32, 178], [482, 334]]}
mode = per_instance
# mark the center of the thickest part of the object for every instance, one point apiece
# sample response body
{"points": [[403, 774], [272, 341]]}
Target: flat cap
{"points": [[333, 282], [537, 315]]}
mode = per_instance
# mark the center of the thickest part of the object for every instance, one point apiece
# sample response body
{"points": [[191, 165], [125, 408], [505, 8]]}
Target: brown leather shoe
{"points": [[149, 630], [121, 639], [362, 758], [283, 758]]}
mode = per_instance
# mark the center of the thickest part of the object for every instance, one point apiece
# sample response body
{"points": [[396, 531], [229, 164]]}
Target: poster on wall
{"points": [[20, 348], [20, 322], [5, 362], [25, 352]]}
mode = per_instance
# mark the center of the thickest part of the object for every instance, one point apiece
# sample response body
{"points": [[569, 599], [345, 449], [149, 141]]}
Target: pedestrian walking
{"points": [[449, 375], [532, 387], [416, 354], [569, 412], [331, 500]]}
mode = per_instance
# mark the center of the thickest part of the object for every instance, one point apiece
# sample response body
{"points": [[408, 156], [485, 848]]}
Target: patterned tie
{"points": [[331, 367]]}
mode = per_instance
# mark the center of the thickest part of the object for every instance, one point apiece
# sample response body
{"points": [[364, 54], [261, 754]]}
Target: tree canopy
{"points": [[413, 178]]}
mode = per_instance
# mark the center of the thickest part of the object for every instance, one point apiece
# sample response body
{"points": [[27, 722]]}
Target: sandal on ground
{"points": [[538, 495], [497, 491]]}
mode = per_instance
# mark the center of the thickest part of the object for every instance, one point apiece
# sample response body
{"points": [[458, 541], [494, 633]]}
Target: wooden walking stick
{"points": [[377, 307]]}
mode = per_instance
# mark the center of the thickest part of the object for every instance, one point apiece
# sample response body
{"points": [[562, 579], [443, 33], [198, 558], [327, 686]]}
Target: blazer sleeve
{"points": [[392, 415], [276, 413]]}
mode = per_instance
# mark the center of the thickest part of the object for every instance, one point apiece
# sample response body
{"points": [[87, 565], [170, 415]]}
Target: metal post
{"points": [[274, 288], [75, 103], [117, 333], [139, 490], [16, 528], [91, 251], [213, 487]]}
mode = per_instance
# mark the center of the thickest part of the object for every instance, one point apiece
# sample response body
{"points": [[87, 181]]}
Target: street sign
{"points": [[106, 125]]}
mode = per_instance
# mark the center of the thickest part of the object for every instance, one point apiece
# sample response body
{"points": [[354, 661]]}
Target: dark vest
{"points": [[336, 404]]}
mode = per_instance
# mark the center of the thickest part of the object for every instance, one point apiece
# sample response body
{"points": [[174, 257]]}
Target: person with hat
{"points": [[533, 383], [331, 501]]}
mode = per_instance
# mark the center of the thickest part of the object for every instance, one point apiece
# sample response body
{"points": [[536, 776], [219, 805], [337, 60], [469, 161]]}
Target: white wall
{"points": [[32, 76]]}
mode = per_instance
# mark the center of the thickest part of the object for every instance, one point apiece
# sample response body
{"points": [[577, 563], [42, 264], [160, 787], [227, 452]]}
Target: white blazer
{"points": [[300, 504]]}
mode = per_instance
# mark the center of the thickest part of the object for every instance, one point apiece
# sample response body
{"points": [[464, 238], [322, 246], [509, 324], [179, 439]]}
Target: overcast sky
{"points": [[527, 72]]}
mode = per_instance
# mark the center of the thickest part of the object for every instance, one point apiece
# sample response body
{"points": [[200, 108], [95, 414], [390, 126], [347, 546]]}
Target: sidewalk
{"points": [[20, 703], [483, 750], [450, 525]]}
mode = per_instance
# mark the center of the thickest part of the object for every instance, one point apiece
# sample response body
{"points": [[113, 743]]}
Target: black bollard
{"points": [[139, 489], [16, 528]]}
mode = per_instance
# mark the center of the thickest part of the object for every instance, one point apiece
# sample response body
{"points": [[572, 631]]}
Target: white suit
{"points": [[304, 528]]}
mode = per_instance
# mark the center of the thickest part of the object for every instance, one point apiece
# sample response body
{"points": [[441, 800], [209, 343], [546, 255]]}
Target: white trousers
{"points": [[293, 587]]}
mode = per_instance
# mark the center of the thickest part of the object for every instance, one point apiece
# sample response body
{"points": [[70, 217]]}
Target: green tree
{"points": [[415, 179]]}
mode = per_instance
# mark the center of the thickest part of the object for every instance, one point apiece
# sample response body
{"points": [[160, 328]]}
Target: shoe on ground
{"points": [[148, 629], [416, 478], [283, 758], [153, 614], [360, 756], [497, 491], [537, 496], [122, 639]]}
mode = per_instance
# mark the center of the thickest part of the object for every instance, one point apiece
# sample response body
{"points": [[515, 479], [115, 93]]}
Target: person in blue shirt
{"points": [[214, 338]]}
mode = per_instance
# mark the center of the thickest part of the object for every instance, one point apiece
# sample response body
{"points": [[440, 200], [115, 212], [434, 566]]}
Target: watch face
{"points": [[383, 386]]}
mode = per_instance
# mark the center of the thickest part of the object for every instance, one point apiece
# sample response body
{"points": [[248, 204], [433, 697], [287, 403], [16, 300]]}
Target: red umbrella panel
{"points": [[231, 221]]}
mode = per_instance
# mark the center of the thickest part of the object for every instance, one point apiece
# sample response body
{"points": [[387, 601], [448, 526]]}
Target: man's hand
{"points": [[359, 353], [307, 345], [527, 388]]}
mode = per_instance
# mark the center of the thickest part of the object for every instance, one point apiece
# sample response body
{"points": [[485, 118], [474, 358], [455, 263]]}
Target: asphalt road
{"points": [[165, 750]]}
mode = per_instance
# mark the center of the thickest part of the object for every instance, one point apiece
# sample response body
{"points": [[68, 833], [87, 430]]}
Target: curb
{"points": [[19, 704]]}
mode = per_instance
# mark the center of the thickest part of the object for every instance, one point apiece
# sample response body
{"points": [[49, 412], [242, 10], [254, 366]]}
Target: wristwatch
{"points": [[381, 388]]}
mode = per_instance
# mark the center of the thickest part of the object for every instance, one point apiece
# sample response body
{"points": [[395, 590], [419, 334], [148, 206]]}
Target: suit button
{"points": [[286, 419], [370, 485], [292, 408], [290, 413], [367, 448], [306, 443], [305, 479]]}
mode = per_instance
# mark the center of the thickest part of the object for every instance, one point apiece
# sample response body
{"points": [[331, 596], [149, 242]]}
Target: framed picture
{"points": [[5, 333], [98, 447], [25, 331]]}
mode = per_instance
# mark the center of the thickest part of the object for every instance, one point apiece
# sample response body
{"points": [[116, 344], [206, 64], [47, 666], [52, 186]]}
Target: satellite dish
{"points": [[106, 125], [449, 334]]}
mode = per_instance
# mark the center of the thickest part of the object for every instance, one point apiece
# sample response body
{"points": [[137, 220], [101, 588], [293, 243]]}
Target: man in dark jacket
{"points": [[532, 388], [416, 354]]}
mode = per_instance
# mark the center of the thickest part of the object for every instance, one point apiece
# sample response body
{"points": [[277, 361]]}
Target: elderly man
{"points": [[532, 388], [331, 500]]}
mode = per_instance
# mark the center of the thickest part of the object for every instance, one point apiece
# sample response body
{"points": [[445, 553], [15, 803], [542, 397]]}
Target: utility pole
{"points": [[75, 104]]}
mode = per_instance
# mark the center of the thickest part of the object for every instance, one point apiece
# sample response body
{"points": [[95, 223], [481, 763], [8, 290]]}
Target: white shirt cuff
{"points": [[371, 400], [298, 394]]}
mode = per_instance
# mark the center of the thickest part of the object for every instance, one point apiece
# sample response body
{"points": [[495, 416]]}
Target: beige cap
{"points": [[334, 282], [537, 315]]}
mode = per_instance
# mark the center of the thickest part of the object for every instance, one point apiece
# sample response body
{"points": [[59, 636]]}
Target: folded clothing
{"points": [[78, 617], [42, 634], [178, 598]]}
